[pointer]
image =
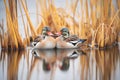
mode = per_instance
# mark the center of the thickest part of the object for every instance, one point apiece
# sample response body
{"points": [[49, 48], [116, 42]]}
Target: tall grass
{"points": [[97, 20]]}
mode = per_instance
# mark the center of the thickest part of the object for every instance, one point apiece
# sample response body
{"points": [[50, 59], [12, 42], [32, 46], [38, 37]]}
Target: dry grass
{"points": [[99, 22]]}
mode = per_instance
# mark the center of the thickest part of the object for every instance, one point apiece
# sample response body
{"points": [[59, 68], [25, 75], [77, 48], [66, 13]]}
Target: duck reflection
{"points": [[65, 64], [58, 64], [48, 58], [56, 58]]}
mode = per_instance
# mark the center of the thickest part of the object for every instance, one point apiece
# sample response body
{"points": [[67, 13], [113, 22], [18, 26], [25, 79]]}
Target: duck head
{"points": [[65, 32], [46, 31], [65, 64]]}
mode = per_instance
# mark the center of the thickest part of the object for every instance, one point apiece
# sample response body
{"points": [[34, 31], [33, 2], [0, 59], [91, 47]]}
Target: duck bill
{"points": [[58, 33], [50, 33]]}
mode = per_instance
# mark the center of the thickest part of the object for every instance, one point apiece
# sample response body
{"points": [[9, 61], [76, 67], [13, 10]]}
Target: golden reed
{"points": [[99, 22]]}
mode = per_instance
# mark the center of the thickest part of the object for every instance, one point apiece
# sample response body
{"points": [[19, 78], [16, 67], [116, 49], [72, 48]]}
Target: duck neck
{"points": [[64, 38]]}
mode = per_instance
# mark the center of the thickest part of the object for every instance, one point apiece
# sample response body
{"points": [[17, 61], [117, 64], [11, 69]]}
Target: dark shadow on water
{"points": [[59, 64]]}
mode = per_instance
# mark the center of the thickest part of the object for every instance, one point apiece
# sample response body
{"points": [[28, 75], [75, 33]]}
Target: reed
{"points": [[97, 20], [14, 38], [34, 34]]}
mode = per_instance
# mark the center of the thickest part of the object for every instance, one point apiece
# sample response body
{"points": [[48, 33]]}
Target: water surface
{"points": [[69, 64]]}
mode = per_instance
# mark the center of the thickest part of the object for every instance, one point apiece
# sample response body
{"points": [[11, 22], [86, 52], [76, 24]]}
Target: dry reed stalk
{"points": [[0, 38], [34, 34], [13, 8], [80, 20], [86, 32], [37, 17], [12, 25], [118, 3], [117, 22], [25, 29], [40, 24], [106, 8], [19, 39], [114, 17], [5, 40], [43, 9], [84, 23], [87, 12], [74, 7], [14, 42], [52, 18], [101, 36], [15, 23], [112, 10], [56, 20], [27, 39], [93, 12], [39, 27], [44, 14], [3, 36]]}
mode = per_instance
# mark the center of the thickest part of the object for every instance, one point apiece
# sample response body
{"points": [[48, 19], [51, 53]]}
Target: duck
{"points": [[45, 41], [38, 38], [67, 41]]}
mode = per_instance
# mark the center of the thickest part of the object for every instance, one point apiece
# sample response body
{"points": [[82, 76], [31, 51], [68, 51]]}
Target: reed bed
{"points": [[96, 20]]}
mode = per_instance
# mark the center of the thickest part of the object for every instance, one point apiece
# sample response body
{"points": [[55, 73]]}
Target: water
{"points": [[60, 64]]}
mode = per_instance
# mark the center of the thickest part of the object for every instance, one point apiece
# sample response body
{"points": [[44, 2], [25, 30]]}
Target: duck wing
{"points": [[82, 40], [38, 38], [72, 38]]}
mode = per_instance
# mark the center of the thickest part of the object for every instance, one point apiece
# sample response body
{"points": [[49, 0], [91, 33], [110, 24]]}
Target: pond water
{"points": [[68, 64]]}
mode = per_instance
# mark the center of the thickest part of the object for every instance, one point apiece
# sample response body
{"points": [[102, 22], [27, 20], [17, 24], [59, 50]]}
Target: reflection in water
{"points": [[68, 64], [103, 65]]}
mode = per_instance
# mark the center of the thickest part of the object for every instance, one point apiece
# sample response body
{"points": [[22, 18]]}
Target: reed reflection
{"points": [[100, 64], [10, 64], [53, 64]]}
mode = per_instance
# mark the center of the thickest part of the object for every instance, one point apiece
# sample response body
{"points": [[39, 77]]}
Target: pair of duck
{"points": [[64, 41]]}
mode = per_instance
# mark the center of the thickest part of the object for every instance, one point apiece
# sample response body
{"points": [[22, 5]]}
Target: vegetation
{"points": [[96, 20]]}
